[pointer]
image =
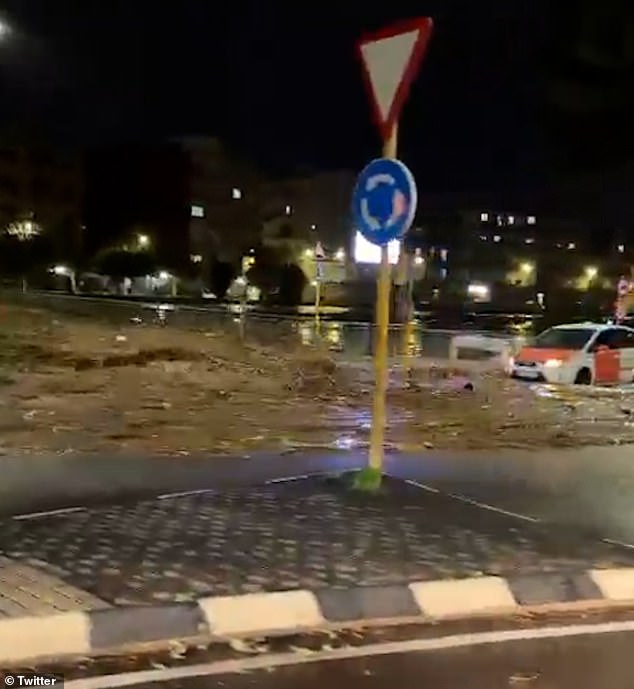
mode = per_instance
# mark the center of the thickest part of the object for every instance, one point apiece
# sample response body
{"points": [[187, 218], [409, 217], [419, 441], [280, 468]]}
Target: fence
{"points": [[350, 339]]}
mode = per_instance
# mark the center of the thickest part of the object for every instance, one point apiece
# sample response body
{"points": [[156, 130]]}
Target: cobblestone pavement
{"points": [[305, 534], [26, 591]]}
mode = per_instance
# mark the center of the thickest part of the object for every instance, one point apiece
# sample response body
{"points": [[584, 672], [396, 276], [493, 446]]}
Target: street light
{"points": [[591, 272], [144, 241], [5, 29], [24, 230], [526, 268]]}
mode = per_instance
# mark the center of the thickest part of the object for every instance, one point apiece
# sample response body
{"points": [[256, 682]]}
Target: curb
{"points": [[290, 612]]}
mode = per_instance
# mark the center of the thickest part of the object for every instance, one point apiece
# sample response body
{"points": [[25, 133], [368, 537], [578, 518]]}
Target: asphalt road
{"points": [[544, 659], [589, 488], [32, 483]]}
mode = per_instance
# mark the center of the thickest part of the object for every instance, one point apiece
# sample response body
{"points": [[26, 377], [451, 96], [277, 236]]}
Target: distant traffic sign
{"points": [[384, 201], [391, 58]]}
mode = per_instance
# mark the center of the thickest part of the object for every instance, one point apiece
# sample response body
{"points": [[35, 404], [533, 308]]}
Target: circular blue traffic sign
{"points": [[384, 201]]}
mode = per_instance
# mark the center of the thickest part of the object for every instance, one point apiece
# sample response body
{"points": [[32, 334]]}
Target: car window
{"points": [[563, 338], [611, 338], [624, 338]]}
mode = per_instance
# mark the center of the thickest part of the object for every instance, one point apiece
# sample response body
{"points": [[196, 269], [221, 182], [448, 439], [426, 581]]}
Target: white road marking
{"points": [[475, 503], [49, 513], [185, 493], [288, 479], [222, 667], [422, 486], [619, 543], [492, 508]]}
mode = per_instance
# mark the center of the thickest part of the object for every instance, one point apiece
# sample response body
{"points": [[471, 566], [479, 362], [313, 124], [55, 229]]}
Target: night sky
{"points": [[511, 97]]}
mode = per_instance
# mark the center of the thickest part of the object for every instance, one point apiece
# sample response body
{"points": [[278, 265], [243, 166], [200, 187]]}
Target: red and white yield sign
{"points": [[391, 58]]}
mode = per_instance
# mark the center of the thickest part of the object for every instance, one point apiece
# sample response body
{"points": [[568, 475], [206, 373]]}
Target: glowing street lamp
{"points": [[591, 272], [527, 268], [23, 230], [144, 241], [5, 29]]}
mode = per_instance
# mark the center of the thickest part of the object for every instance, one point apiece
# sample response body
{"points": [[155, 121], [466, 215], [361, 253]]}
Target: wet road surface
{"points": [[550, 658], [586, 488]]}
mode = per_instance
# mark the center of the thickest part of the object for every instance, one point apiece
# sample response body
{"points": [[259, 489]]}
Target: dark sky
{"points": [[509, 93]]}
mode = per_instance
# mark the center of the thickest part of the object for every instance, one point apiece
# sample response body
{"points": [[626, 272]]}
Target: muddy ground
{"points": [[75, 385]]}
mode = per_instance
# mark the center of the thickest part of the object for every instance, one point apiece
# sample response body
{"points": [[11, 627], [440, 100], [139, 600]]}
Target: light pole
{"points": [[5, 29]]}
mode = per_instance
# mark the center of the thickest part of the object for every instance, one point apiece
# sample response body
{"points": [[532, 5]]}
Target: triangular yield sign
{"points": [[391, 57]]}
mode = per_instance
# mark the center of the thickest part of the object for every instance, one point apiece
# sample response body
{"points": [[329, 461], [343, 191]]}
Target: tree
{"points": [[292, 284], [220, 278], [265, 273], [66, 249], [279, 279], [23, 252]]}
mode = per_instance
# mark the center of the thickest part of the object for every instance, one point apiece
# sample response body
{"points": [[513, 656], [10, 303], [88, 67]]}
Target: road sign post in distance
{"points": [[390, 58]]}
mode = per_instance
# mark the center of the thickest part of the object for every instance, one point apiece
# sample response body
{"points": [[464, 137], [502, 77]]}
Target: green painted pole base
{"points": [[368, 480]]}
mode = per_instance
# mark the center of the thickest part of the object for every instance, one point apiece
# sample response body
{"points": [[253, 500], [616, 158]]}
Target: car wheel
{"points": [[584, 377]]}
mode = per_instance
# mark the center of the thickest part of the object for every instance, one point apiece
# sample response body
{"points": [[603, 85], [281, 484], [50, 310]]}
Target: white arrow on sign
{"points": [[391, 58]]}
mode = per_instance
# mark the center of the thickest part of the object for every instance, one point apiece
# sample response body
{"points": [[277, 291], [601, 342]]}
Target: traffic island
{"points": [[282, 558]]}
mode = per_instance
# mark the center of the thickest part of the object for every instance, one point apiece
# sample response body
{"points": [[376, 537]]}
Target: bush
{"points": [[221, 277]]}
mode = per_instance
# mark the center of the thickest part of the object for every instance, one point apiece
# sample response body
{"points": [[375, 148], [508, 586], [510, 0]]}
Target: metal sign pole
{"points": [[319, 270], [317, 301], [381, 368], [385, 198], [408, 331]]}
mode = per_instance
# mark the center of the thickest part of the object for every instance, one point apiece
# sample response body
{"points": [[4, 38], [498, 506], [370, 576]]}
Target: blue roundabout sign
{"points": [[384, 201]]}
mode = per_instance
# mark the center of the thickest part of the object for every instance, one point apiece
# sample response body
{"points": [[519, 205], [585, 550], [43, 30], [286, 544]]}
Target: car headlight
{"points": [[553, 363]]}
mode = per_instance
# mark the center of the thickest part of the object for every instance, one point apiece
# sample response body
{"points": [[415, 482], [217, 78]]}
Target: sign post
{"points": [[320, 255], [385, 197]]}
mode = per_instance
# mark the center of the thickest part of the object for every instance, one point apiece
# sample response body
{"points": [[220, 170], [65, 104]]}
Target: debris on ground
{"points": [[76, 385]]}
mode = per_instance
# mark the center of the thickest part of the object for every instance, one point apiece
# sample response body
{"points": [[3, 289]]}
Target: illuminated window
{"points": [[443, 273], [198, 212], [496, 238], [531, 220], [529, 240], [236, 194], [620, 248], [572, 246], [483, 237], [443, 254], [484, 217], [288, 210], [196, 258], [511, 220]]}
